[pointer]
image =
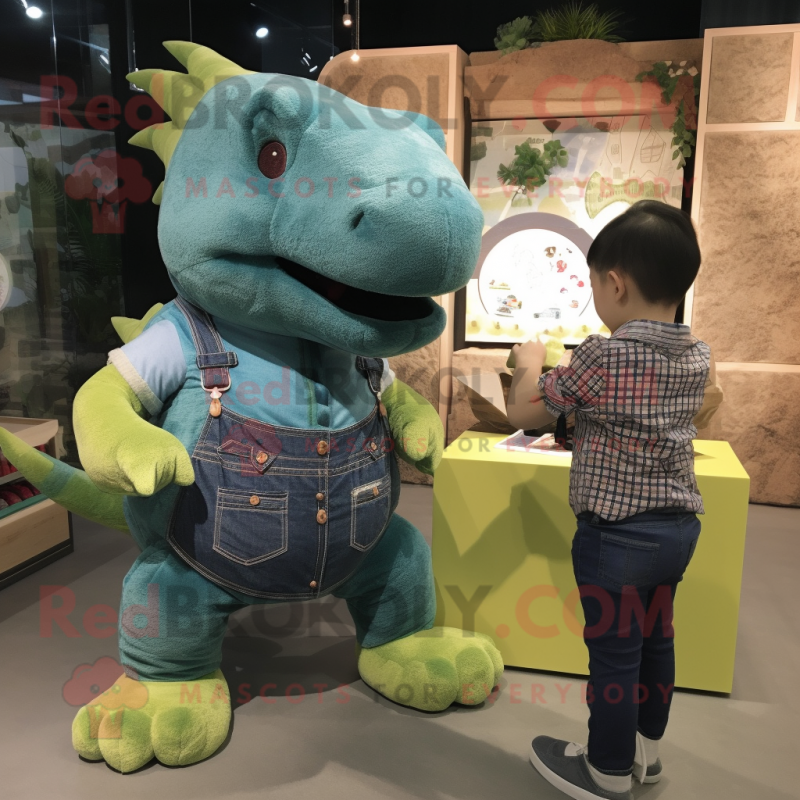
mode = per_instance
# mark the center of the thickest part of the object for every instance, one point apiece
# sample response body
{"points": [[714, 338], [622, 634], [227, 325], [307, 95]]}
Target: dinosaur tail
{"points": [[67, 486]]}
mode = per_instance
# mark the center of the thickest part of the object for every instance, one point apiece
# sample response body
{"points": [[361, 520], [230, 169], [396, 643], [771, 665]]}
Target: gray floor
{"points": [[743, 746]]}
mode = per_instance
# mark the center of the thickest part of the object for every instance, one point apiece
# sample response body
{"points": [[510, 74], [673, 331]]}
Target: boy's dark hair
{"points": [[653, 243]]}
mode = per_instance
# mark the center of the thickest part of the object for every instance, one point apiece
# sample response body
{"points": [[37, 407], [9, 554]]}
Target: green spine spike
{"points": [[179, 94], [143, 138], [202, 62], [128, 328]]}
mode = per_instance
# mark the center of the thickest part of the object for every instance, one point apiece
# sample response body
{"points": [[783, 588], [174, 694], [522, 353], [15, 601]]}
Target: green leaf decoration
{"points": [[17, 139], [570, 21], [574, 21], [515, 35], [531, 166], [683, 139], [477, 151]]}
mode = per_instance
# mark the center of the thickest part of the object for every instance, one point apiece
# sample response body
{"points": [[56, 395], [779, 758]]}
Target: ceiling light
{"points": [[262, 32], [34, 12], [347, 20]]}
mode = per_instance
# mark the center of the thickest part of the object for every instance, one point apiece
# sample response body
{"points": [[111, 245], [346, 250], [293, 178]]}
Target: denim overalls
{"points": [[280, 513]]}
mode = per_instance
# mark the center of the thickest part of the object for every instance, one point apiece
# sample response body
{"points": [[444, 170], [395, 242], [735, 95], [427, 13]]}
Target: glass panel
{"points": [[67, 188], [61, 210], [283, 36]]}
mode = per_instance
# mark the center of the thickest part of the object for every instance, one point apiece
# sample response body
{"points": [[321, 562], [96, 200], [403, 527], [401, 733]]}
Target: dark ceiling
{"points": [[472, 24]]}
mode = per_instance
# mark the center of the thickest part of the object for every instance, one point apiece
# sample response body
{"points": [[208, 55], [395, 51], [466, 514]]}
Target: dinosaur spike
{"points": [[128, 328], [161, 138], [158, 194], [143, 138], [181, 50], [203, 63], [165, 140], [179, 94], [141, 78]]}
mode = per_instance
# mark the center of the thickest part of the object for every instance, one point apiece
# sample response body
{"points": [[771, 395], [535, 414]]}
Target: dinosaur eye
{"points": [[272, 159]]}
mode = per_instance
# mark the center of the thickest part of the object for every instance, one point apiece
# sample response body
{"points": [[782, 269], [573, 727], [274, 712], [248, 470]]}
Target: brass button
{"points": [[373, 446], [320, 496], [313, 584], [262, 457], [322, 447], [254, 501], [322, 516]]}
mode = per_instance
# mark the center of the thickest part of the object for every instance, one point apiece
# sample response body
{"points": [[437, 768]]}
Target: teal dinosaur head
{"points": [[290, 208]]}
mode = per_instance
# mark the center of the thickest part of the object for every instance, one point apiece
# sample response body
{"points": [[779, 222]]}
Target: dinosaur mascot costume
{"points": [[245, 434]]}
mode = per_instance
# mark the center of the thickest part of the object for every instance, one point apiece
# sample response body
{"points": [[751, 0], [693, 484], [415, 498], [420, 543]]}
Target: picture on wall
{"points": [[547, 187]]}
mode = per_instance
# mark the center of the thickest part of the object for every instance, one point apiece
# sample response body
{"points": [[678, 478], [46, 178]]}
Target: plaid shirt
{"points": [[634, 396]]}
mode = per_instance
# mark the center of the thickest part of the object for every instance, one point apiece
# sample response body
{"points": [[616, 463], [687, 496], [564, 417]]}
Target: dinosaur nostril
{"points": [[358, 216]]}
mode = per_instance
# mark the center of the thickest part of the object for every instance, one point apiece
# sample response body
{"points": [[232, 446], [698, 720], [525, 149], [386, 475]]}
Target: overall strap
{"points": [[212, 358], [372, 369]]}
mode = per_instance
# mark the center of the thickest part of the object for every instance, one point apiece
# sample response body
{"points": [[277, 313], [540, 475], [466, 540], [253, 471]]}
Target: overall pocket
{"points": [[626, 562], [370, 507], [250, 528]]}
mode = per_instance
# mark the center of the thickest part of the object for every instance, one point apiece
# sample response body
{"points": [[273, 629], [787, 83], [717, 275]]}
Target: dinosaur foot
{"points": [[178, 722], [433, 669]]}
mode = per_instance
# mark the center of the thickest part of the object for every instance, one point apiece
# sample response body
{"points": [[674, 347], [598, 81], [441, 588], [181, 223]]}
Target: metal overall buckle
{"points": [[215, 408]]}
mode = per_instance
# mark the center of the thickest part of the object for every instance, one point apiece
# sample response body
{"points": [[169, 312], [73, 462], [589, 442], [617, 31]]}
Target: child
{"points": [[632, 487]]}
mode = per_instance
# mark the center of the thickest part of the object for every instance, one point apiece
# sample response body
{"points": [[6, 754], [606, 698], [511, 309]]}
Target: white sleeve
{"points": [[153, 364]]}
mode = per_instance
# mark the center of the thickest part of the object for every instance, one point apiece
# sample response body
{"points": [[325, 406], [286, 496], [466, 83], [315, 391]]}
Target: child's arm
{"points": [[712, 397], [576, 384], [525, 408]]}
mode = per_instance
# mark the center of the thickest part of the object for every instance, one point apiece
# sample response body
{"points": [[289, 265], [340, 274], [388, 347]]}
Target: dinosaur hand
{"points": [[142, 463], [121, 452], [416, 427]]}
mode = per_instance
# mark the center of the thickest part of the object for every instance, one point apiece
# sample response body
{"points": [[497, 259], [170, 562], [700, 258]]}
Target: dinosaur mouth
{"points": [[374, 305]]}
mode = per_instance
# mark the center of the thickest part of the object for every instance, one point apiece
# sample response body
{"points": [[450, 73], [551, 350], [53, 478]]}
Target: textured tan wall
{"points": [[467, 362], [405, 81], [663, 50], [749, 79], [746, 302], [504, 88], [747, 297], [759, 418]]}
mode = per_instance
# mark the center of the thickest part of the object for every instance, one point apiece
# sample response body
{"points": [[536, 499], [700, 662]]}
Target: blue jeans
{"points": [[628, 572]]}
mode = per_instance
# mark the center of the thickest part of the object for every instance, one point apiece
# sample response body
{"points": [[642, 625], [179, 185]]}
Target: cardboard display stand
{"points": [[502, 532]]}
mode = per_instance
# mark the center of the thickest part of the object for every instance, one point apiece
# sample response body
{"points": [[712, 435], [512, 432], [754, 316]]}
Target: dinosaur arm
{"points": [[416, 428], [119, 449]]}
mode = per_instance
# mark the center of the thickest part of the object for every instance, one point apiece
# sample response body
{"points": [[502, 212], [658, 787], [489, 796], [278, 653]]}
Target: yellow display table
{"points": [[502, 532]]}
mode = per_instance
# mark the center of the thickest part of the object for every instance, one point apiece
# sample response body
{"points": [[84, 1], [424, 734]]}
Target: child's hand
{"points": [[530, 355], [565, 359]]}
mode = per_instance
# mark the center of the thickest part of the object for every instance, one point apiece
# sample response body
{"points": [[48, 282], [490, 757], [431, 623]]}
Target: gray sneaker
{"points": [[645, 773], [569, 773]]}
